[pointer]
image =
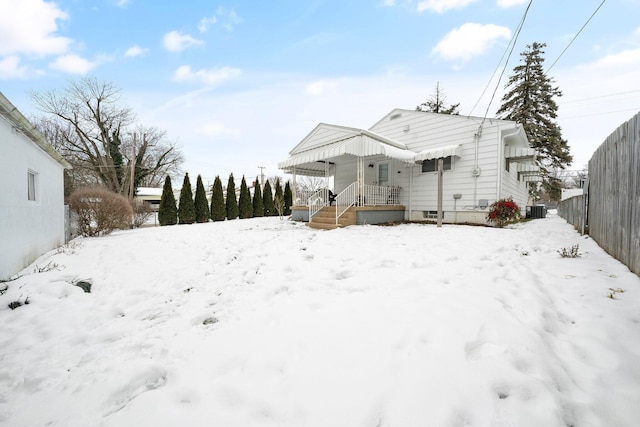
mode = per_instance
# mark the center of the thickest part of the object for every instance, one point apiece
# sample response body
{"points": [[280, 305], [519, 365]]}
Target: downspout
{"points": [[476, 167], [410, 191]]}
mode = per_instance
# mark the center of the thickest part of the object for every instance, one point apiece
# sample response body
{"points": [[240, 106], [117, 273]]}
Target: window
{"points": [[431, 165], [31, 186]]}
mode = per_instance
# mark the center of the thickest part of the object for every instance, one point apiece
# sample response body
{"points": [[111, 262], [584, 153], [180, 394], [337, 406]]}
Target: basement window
{"points": [[31, 186], [431, 165], [430, 214]]}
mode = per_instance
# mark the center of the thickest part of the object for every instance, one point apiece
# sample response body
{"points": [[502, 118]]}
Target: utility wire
{"points": [[601, 96], [576, 36], [512, 43]]}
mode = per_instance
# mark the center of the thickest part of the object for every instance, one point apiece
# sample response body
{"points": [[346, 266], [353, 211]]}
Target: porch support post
{"points": [[440, 176], [360, 178], [294, 190]]}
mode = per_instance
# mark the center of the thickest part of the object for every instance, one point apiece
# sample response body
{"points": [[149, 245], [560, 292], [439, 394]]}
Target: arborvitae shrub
{"points": [[201, 203], [232, 201], [167, 211], [245, 206], [218, 209], [267, 200], [258, 206], [100, 211], [186, 209], [288, 199]]}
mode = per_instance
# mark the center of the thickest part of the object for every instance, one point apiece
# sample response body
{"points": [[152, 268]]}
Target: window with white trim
{"points": [[31, 185], [431, 165]]}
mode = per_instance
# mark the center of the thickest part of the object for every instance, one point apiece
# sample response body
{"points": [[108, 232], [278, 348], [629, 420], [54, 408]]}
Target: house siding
{"points": [[421, 131], [28, 228]]}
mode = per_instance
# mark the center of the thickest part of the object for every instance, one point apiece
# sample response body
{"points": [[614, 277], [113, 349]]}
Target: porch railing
{"points": [[375, 195], [302, 197], [317, 201], [347, 198]]}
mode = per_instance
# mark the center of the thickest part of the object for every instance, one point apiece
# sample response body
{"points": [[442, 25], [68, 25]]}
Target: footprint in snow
{"points": [[147, 380]]}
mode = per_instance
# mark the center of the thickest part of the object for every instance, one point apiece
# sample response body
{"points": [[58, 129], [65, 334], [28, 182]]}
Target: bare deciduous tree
{"points": [[100, 138]]}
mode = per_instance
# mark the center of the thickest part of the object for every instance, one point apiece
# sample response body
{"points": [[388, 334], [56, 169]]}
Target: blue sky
{"points": [[238, 84]]}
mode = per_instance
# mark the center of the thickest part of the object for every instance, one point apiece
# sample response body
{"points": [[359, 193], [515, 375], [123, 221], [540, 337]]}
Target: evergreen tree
{"points": [[218, 209], [186, 209], [167, 211], [258, 206], [530, 101], [267, 200], [288, 199], [436, 104], [245, 207], [278, 198], [232, 201], [201, 203]]}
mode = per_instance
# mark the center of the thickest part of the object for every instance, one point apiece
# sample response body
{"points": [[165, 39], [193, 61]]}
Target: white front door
{"points": [[382, 174]]}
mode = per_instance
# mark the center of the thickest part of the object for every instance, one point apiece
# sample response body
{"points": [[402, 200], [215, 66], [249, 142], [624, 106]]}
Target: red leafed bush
{"points": [[503, 211]]}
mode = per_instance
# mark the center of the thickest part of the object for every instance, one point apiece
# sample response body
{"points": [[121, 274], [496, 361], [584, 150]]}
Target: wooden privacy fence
{"points": [[574, 211], [614, 194]]}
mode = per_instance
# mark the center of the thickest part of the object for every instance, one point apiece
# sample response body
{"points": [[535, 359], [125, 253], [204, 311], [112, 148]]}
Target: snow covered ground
{"points": [[265, 322]]}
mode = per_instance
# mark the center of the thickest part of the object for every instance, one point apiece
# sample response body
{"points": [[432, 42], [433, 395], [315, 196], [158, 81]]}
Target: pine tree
{"points": [[201, 203], [267, 200], [288, 199], [258, 206], [245, 207], [186, 209], [167, 211], [530, 101], [436, 104], [218, 209], [232, 201]]}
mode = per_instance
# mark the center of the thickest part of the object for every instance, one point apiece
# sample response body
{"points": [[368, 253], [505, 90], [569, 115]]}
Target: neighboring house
{"points": [[32, 212], [568, 193], [389, 172], [150, 195]]}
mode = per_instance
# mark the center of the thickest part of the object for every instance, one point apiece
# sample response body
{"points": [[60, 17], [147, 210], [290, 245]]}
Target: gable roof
{"points": [[20, 122], [327, 141]]}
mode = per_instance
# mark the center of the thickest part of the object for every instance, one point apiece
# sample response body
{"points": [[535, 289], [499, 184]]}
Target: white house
{"points": [[389, 172], [32, 218]]}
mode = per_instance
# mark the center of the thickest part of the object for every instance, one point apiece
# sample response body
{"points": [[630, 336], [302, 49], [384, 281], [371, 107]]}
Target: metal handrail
{"points": [[347, 198]]}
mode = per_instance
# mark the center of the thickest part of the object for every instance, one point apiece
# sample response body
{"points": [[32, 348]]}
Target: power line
{"points": [[601, 96], [576, 36], [513, 45]]}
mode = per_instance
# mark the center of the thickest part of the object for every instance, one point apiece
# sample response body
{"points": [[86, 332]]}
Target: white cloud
{"points": [[509, 3], [622, 59], [211, 77], [217, 129], [228, 18], [205, 23], [134, 51], [122, 3], [440, 6], [73, 64], [30, 26], [10, 68], [388, 3], [320, 87], [176, 42], [470, 40]]}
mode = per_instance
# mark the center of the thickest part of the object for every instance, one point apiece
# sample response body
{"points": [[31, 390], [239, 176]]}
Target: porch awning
{"points": [[526, 170], [519, 154], [362, 145], [439, 152]]}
